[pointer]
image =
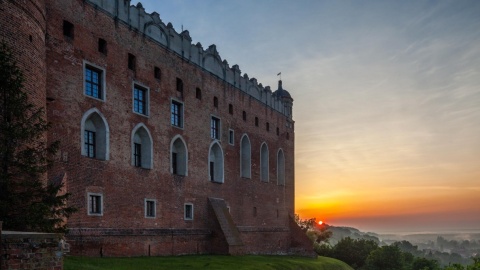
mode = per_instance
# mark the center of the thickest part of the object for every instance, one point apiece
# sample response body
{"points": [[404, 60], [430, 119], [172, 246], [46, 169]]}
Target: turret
{"points": [[23, 29], [286, 98]]}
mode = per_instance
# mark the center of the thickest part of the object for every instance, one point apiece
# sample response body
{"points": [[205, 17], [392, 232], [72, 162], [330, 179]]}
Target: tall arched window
{"points": [[178, 156], [280, 168], [95, 135], [264, 162], [245, 157], [215, 162], [142, 147]]}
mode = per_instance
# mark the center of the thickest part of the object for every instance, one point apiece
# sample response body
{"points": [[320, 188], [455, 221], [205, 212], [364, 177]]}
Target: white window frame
{"points": [[146, 201], [182, 115], [231, 137], [185, 211], [147, 101], [89, 194], [219, 127], [103, 78]]}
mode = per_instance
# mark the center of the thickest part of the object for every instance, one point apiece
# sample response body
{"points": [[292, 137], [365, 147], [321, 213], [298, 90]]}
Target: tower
{"points": [[23, 29], [287, 99]]}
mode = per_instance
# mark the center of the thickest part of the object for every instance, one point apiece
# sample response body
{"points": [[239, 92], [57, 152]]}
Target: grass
{"points": [[204, 262]]}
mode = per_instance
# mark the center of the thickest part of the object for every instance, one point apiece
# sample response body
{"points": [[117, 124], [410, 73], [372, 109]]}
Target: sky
{"points": [[386, 101]]}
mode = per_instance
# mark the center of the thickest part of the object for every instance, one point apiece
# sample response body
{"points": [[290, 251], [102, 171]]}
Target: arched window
{"points": [[280, 168], [142, 147], [178, 156], [215, 162], [245, 157], [264, 162], [95, 135]]}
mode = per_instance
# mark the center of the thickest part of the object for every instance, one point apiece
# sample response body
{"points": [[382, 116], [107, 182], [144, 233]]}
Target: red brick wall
{"points": [[125, 187], [30, 251]]}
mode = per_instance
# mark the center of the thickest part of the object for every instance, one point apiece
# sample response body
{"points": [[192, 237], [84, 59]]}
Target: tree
{"points": [[386, 258], [26, 201], [425, 264], [354, 252]]}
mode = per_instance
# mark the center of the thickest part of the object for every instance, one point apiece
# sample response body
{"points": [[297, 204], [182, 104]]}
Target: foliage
{"points": [[354, 251], [211, 262], [317, 233], [26, 203], [386, 258], [425, 264]]}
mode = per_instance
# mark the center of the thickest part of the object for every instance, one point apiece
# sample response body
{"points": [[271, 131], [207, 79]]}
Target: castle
{"points": [[165, 148]]}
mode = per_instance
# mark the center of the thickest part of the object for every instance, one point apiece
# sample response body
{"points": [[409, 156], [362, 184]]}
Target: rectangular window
{"points": [[68, 29], [157, 73], [150, 209], [267, 126], [244, 115], [212, 171], [93, 82], [179, 85], [174, 163], [102, 46], [140, 100], [231, 137], [188, 211], [95, 204], [89, 138], [137, 154], [132, 61], [215, 128], [256, 121], [176, 114], [230, 108]]}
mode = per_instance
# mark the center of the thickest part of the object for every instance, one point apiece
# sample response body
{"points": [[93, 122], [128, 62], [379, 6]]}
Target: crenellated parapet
{"points": [[209, 59]]}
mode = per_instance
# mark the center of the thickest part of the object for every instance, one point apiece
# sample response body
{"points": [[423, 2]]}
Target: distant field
{"points": [[204, 262]]}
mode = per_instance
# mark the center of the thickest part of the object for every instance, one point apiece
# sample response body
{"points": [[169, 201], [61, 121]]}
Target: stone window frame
{"points": [[89, 203], [231, 137], [102, 134], [103, 85], [146, 203], [181, 161], [139, 86], [188, 211], [216, 151], [181, 118], [147, 146], [215, 132], [245, 157]]}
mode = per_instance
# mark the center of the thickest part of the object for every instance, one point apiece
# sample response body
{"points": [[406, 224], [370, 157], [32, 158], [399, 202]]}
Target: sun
{"points": [[320, 222]]}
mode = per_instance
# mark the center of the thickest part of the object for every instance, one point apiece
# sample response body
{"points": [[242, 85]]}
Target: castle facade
{"points": [[165, 148]]}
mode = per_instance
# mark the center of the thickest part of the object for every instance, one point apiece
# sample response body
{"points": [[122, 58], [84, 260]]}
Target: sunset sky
{"points": [[386, 101]]}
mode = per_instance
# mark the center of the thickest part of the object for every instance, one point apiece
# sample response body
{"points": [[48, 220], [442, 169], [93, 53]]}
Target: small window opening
{"points": [[231, 137], [131, 61], [68, 29], [268, 126], [254, 211], [256, 121], [244, 115], [198, 93], [180, 86], [188, 212], [230, 108], [215, 102], [157, 73], [278, 131], [288, 136], [102, 46]]}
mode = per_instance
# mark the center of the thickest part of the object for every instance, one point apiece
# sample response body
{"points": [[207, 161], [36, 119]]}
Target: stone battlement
{"points": [[151, 26]]}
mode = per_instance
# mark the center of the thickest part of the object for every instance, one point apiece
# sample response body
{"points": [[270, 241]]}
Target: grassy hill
{"points": [[204, 262]]}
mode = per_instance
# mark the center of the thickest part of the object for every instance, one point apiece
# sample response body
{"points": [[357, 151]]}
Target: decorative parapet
{"points": [[181, 43]]}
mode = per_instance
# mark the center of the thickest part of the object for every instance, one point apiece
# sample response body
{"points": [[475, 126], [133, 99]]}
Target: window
{"points": [[176, 114], [142, 147], [102, 46], [140, 100], [93, 82], [245, 157], [231, 139], [179, 156], [68, 29], [157, 73], [180, 85], [280, 168], [132, 61], [188, 213], [215, 128], [267, 126], [150, 208], [215, 102], [94, 135], [254, 211], [244, 115], [278, 131], [89, 143], [264, 162], [256, 121], [198, 93], [137, 154], [230, 108], [215, 163], [95, 204], [288, 136]]}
